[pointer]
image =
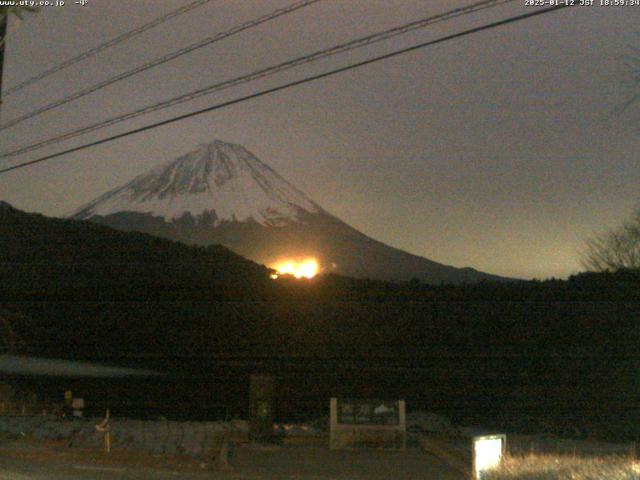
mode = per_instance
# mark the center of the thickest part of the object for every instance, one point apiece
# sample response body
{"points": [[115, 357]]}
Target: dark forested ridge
{"points": [[44, 258], [53, 259], [88, 278], [84, 291]]}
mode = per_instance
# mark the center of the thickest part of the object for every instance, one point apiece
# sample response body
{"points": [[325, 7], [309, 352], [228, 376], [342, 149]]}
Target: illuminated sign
{"points": [[488, 451]]}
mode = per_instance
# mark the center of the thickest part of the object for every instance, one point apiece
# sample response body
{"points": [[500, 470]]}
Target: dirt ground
{"points": [[308, 459], [34, 460]]}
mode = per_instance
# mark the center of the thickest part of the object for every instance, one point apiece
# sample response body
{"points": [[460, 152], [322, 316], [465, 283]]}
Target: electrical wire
{"points": [[269, 71], [160, 60], [104, 46], [292, 84]]}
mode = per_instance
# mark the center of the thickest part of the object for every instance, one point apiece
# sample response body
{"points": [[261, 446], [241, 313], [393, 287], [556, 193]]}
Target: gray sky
{"points": [[498, 151]]}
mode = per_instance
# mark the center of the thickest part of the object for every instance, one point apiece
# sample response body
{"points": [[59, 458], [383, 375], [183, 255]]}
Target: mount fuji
{"points": [[221, 193]]}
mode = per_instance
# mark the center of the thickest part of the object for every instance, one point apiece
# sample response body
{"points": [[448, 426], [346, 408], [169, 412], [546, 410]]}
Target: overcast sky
{"points": [[498, 151]]}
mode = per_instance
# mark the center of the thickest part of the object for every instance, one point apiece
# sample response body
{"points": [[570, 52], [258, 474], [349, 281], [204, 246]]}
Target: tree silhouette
{"points": [[615, 249], [631, 79]]}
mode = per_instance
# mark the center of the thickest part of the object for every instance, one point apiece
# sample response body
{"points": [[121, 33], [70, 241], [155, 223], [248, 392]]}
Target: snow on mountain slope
{"points": [[221, 180], [222, 194]]}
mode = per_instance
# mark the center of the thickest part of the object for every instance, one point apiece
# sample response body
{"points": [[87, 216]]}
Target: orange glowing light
{"points": [[307, 268]]}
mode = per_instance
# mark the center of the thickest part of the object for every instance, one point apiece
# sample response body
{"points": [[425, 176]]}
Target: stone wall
{"points": [[195, 439]]}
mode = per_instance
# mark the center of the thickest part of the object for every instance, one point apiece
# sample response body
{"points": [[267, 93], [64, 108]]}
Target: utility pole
{"points": [[3, 34]]}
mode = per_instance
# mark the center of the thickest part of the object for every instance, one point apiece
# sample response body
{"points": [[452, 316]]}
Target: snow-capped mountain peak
{"points": [[222, 194], [223, 181]]}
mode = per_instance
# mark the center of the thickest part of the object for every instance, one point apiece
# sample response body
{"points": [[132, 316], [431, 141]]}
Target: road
{"points": [[21, 460]]}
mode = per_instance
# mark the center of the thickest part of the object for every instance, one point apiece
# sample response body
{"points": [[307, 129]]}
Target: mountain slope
{"points": [[222, 194], [48, 258]]}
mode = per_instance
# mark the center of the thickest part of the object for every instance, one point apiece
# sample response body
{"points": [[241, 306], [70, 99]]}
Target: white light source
{"points": [[487, 453]]}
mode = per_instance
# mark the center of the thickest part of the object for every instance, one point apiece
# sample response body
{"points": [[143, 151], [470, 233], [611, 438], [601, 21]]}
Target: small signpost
{"points": [[67, 409], [105, 428], [261, 406], [367, 423]]}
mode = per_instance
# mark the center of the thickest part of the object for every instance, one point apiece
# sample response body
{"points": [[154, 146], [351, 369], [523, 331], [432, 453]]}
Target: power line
{"points": [[114, 41], [292, 84], [160, 60], [269, 71]]}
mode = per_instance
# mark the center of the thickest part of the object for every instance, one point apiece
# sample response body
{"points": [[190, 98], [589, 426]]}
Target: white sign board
{"points": [[487, 453], [363, 423]]}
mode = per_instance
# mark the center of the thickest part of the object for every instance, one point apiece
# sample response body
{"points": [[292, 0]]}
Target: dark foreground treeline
{"points": [[562, 350], [49, 259]]}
